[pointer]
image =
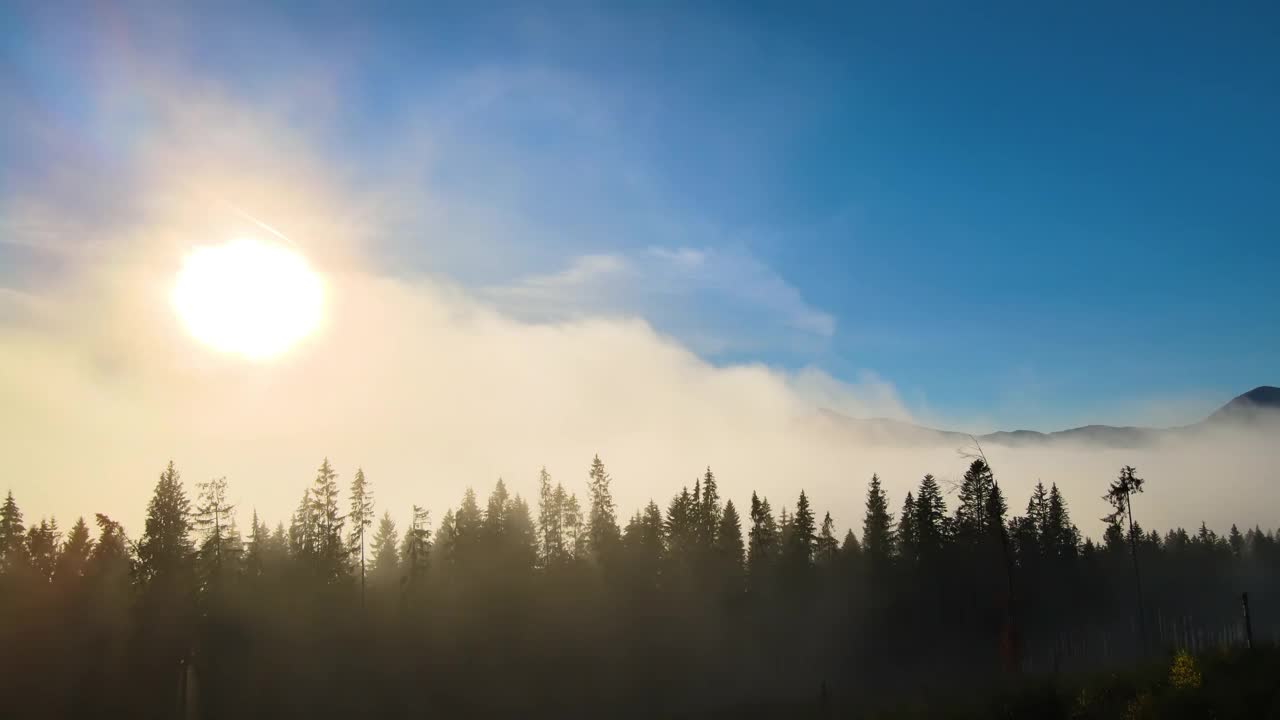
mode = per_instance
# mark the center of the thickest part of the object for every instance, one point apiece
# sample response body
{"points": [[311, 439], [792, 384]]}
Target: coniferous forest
{"points": [[563, 605]]}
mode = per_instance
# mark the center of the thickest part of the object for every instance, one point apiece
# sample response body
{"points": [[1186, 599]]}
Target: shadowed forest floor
{"points": [[1222, 684]]}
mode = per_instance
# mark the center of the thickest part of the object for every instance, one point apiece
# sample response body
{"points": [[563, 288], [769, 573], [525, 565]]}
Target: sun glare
{"points": [[248, 298]]}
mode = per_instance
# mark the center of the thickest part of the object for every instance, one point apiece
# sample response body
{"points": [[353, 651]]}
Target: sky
{"points": [[571, 223]]}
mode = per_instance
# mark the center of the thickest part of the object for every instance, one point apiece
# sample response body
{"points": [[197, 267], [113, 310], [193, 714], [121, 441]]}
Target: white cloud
{"points": [[715, 300]]}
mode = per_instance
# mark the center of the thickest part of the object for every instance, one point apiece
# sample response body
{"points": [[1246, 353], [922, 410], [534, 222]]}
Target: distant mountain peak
{"points": [[1264, 398], [1259, 405]]}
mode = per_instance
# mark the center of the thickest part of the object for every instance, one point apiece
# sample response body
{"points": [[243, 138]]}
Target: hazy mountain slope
{"points": [[1257, 408]]}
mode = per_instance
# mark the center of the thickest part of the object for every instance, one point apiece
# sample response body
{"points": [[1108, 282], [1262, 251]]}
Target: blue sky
{"points": [[1033, 216]]}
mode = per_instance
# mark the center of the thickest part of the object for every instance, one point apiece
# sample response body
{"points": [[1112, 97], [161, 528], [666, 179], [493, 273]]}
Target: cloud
{"points": [[717, 301]]}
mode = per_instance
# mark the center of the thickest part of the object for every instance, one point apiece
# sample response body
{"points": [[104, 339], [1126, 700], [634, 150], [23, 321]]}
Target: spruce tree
{"points": [[877, 526], [302, 532], [259, 535], [801, 539], [708, 510], [13, 536], [602, 523], [729, 548], [521, 538], [574, 532], [415, 553], [931, 519], [384, 567], [550, 515], [329, 550], [74, 557], [43, 541], [1061, 538], [1236, 541], [826, 546], [563, 546], [681, 527], [1120, 494], [908, 534], [446, 546], [979, 516], [361, 519], [762, 541], [493, 527], [212, 519], [166, 547]]}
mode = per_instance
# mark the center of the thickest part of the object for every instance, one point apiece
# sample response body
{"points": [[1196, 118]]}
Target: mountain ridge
{"points": [[1259, 405]]}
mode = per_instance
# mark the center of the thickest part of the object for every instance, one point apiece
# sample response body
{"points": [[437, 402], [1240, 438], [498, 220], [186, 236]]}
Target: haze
{"points": [[462, 341]]}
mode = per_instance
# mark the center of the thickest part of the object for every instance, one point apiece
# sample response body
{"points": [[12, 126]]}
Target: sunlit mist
{"points": [[248, 298]]}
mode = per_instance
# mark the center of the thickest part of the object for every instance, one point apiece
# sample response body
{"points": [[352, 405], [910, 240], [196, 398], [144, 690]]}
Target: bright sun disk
{"points": [[248, 298]]}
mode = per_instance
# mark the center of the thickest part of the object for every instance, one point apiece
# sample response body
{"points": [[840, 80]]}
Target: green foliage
{"points": [[1183, 674]]}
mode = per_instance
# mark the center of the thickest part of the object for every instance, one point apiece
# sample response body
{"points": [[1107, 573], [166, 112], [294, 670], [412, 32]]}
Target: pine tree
{"points": [[826, 546], [877, 526], [850, 548], [74, 557], [329, 551], [1236, 541], [43, 541], [1120, 495], [416, 550], [13, 547], [166, 545], [467, 527], [550, 516], [980, 516], [602, 523], [1038, 511], [521, 547], [681, 527], [110, 564], [801, 539], [762, 541], [385, 565], [728, 545], [1061, 539], [446, 546], [575, 534], [213, 520], [493, 526], [708, 510], [564, 545], [908, 535], [302, 531], [259, 535], [931, 519], [361, 519]]}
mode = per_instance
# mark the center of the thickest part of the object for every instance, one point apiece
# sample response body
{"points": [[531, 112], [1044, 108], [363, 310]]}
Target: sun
{"points": [[248, 298]]}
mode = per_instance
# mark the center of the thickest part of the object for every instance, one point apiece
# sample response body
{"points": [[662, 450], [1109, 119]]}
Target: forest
{"points": [[564, 607]]}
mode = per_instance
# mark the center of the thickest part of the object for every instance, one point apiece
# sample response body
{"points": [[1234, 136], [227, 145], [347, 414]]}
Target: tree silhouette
{"points": [[384, 569], [360, 517], [13, 549], [676, 618], [166, 542], [602, 523], [328, 550], [877, 526], [212, 518]]}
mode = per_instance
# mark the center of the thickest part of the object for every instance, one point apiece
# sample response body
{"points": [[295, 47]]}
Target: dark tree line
{"points": [[562, 609]]}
